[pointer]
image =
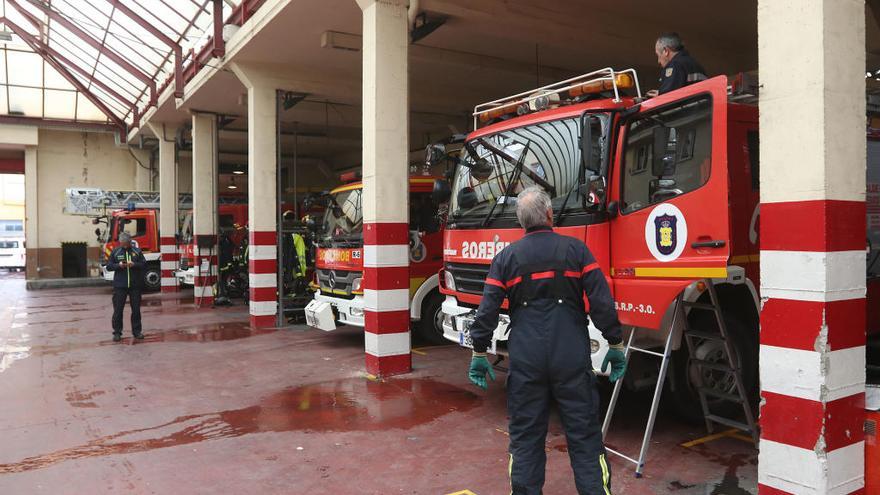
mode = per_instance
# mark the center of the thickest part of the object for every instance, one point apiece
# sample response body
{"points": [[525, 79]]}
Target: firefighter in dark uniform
{"points": [[677, 67], [128, 263], [544, 277]]}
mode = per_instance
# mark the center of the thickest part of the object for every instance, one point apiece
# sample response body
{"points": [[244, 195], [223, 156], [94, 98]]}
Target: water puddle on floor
{"points": [[12, 350], [353, 404]]}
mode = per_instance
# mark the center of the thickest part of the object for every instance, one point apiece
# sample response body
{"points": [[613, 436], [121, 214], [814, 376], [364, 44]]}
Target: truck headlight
{"points": [[356, 311], [448, 280], [356, 284]]}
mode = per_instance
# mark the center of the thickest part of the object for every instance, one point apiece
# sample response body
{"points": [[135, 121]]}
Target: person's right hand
{"points": [[480, 367]]}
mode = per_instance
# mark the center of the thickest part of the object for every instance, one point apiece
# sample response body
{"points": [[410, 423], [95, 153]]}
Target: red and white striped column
{"points": [[204, 133], [812, 355], [170, 261], [262, 192], [170, 258], [263, 278], [386, 187]]}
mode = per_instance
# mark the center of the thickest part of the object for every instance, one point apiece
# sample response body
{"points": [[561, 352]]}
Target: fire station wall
{"points": [[74, 159]]}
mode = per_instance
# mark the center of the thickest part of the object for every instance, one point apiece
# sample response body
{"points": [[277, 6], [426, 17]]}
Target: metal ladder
{"points": [[732, 368], [665, 356]]}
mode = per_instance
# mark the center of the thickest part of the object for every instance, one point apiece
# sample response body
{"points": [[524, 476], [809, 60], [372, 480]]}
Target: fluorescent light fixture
{"points": [[238, 172]]}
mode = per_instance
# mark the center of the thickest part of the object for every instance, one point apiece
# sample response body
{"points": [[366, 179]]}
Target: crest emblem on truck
{"points": [[665, 234]]}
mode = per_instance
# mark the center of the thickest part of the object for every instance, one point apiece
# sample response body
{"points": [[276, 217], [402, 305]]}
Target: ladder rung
{"points": [[696, 305], [705, 335], [713, 366], [729, 422], [721, 395]]}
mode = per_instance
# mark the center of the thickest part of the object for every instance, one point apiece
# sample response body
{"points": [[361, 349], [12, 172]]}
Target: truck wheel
{"points": [[152, 278], [689, 376], [430, 326]]}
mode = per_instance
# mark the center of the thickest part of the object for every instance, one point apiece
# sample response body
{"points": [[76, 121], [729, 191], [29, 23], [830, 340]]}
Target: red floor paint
{"points": [[205, 404]]}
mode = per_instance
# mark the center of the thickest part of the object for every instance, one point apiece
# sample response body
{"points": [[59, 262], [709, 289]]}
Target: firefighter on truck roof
{"points": [[677, 67], [544, 277]]}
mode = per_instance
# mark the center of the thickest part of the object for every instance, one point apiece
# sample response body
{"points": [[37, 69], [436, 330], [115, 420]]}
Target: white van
{"points": [[12, 253]]}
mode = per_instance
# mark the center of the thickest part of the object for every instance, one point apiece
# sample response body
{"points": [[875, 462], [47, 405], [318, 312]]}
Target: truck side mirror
{"points": [[594, 195], [442, 191], [467, 197], [435, 153], [661, 157]]}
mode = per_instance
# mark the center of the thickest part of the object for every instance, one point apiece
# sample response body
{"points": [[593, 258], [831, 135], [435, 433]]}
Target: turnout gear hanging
{"points": [[544, 276]]}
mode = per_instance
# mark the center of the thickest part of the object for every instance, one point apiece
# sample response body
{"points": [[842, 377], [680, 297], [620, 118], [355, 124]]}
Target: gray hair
{"points": [[124, 237], [672, 41], [532, 205]]}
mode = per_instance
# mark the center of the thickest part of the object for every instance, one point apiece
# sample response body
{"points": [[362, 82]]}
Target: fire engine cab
{"points": [[339, 260], [664, 191]]}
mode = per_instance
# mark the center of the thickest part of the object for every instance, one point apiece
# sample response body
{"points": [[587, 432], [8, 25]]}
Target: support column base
{"points": [[264, 321], [389, 365]]}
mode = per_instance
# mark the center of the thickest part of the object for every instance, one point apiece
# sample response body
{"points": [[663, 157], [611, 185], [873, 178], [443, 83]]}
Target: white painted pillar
{"points": [[262, 194], [204, 134], [386, 186], [167, 205], [812, 101], [31, 213]]}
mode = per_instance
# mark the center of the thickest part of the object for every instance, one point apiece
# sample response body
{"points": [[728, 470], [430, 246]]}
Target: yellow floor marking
{"points": [[732, 433], [419, 351], [463, 492]]}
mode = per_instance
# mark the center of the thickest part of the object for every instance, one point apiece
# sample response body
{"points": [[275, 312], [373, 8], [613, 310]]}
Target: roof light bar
{"points": [[606, 79]]}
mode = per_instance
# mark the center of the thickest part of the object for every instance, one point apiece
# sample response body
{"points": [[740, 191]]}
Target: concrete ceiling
{"points": [[485, 50]]}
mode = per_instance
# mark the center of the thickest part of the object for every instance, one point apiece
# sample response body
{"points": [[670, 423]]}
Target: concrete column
{"points": [[167, 206], [204, 134], [386, 187], [812, 100], [262, 194], [31, 213]]}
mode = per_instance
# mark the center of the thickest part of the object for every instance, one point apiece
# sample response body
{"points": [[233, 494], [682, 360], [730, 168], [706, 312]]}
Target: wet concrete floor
{"points": [[207, 405]]}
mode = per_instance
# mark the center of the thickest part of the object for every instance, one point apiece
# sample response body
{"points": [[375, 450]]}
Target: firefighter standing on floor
{"points": [[677, 67], [128, 263], [544, 277]]}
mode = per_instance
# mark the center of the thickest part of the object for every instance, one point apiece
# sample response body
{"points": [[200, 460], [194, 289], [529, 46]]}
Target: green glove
{"points": [[479, 368], [616, 357]]}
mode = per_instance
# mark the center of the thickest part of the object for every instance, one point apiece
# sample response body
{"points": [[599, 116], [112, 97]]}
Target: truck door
{"points": [[671, 189]]}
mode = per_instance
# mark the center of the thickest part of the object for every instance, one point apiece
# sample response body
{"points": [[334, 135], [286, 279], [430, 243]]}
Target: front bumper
{"points": [[186, 277], [456, 320], [346, 311]]}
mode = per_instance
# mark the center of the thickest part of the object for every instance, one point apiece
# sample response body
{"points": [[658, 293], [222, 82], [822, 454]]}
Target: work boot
{"points": [[139, 336], [117, 337]]}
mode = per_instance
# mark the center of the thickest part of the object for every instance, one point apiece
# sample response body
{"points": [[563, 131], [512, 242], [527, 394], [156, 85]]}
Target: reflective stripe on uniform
{"points": [[510, 472], [492, 281], [605, 474], [696, 76]]}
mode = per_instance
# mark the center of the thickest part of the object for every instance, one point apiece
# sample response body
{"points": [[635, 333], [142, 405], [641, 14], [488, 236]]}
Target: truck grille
{"points": [[342, 280], [469, 277]]}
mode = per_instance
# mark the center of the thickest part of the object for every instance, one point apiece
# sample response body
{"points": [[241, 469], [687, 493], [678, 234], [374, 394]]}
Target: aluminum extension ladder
{"points": [[691, 338]]}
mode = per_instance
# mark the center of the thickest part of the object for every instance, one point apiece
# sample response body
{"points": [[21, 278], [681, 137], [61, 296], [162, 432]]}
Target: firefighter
{"points": [[677, 67], [128, 263], [225, 259], [544, 277]]}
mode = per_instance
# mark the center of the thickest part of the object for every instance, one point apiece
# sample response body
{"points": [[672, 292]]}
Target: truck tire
{"points": [[430, 326], [152, 277], [687, 377]]}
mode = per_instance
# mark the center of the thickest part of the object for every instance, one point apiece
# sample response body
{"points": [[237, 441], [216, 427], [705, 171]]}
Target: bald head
{"points": [[533, 208]]}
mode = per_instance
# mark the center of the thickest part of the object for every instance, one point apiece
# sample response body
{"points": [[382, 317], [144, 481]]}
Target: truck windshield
{"points": [[343, 220], [496, 168]]}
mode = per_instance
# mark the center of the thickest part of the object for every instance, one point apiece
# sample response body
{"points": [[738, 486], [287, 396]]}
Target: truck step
{"points": [[729, 422], [697, 305], [721, 395], [704, 335], [712, 366]]}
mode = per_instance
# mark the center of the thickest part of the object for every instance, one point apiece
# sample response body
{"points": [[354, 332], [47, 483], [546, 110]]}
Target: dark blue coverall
{"points": [[127, 283], [680, 71], [544, 277]]}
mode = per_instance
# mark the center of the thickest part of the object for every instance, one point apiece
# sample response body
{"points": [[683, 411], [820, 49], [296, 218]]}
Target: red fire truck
{"points": [[339, 261], [143, 225], [663, 190]]}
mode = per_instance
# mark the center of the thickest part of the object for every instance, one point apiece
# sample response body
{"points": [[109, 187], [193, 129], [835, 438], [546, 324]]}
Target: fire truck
{"points": [[339, 260], [137, 213], [664, 191]]}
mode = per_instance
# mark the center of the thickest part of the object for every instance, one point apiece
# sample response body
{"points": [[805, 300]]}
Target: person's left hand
{"points": [[616, 357], [480, 367]]}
